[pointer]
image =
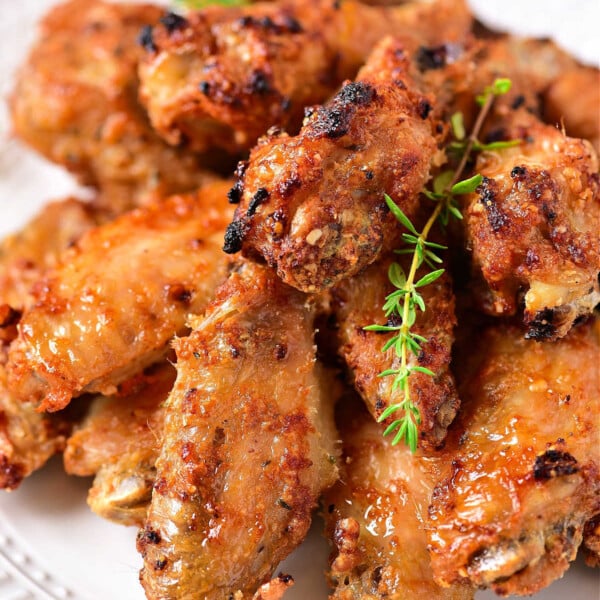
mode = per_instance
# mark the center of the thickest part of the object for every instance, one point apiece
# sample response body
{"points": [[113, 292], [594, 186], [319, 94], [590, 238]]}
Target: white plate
{"points": [[51, 545]]}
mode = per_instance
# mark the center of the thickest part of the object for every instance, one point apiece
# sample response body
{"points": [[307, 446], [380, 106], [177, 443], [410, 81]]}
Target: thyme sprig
{"points": [[401, 305]]}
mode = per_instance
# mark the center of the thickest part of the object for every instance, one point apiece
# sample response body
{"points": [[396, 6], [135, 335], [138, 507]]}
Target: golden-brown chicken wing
{"points": [[358, 302], [523, 468], [27, 254], [313, 205], [118, 442], [533, 226], [375, 517], [76, 103], [121, 295], [249, 444], [223, 76]]}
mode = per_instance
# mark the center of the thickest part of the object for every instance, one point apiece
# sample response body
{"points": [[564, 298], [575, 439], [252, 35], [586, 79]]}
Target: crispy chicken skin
{"points": [[118, 442], [27, 254], [375, 516], [523, 470], [224, 75], [121, 295], [249, 444], [313, 205], [357, 303], [76, 103], [533, 226]]}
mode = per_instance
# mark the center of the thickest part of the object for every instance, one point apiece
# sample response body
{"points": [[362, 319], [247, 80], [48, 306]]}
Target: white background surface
{"points": [[51, 546]]}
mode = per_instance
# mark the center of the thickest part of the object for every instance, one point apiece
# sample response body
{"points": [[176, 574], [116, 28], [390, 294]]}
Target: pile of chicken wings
{"points": [[194, 336]]}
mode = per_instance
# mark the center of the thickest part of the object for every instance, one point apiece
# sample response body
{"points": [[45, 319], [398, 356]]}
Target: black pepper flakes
{"points": [[146, 39]]}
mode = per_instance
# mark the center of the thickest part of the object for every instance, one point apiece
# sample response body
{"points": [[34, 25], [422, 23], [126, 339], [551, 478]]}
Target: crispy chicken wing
{"points": [[375, 517], [524, 467], [76, 103], [357, 302], [224, 75], [533, 226], [124, 292], [27, 254], [118, 442], [313, 205], [249, 444]]}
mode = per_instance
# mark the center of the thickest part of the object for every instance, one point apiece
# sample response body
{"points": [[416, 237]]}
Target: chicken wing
{"points": [[118, 442], [248, 447], [27, 254], [124, 292], [313, 205], [223, 76], [76, 103], [533, 226], [358, 302], [523, 468], [375, 516]]}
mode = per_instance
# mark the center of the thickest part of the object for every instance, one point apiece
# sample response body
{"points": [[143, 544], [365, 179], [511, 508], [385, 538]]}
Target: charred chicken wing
{"points": [[248, 444], [121, 295]]}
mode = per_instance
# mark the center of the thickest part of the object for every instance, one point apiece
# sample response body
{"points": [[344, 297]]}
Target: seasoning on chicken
{"points": [[76, 103], [223, 76], [313, 205], [357, 302], [121, 295], [375, 517], [118, 442], [533, 226], [248, 444], [523, 468]]}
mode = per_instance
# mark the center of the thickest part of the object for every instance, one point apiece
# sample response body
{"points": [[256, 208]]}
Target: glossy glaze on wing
{"points": [[375, 516], [357, 302], [223, 76], [76, 103], [122, 294], [249, 444], [523, 473], [313, 205]]}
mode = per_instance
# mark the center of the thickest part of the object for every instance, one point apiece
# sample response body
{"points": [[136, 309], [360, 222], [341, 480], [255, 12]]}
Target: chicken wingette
{"points": [[29, 438], [313, 205], [223, 76], [75, 102], [522, 477], [118, 442], [375, 516], [121, 295], [356, 303], [249, 444]]}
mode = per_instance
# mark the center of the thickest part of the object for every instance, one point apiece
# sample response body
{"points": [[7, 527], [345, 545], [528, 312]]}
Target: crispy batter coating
{"points": [[573, 100], [223, 76], [591, 542], [524, 467], [249, 444], [313, 205], [27, 254], [533, 226], [121, 295], [375, 517], [75, 102], [357, 302], [118, 442]]}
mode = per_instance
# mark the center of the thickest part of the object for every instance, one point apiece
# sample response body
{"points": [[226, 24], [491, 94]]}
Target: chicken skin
{"points": [[118, 442], [375, 517], [224, 76], [523, 466], [248, 444], [76, 103], [313, 205], [533, 224], [119, 298], [357, 302]]}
